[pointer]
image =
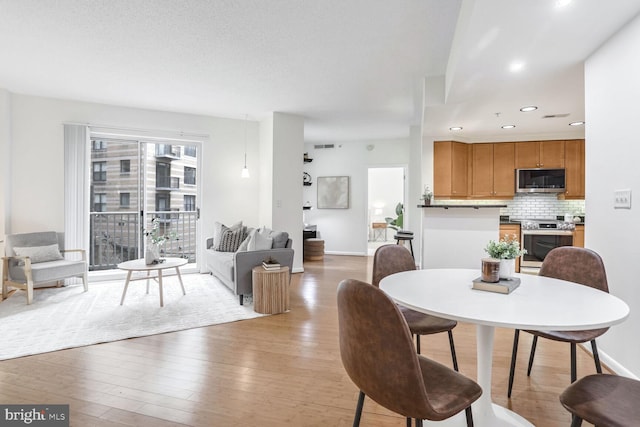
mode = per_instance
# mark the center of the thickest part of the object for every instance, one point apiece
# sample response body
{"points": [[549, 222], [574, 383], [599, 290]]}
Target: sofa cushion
{"points": [[39, 253], [245, 243], [259, 242], [49, 271], [219, 229], [231, 239], [221, 264], [280, 239]]}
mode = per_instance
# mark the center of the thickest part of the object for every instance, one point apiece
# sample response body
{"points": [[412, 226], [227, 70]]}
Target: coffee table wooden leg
{"points": [[126, 285], [160, 285], [180, 279], [148, 277]]}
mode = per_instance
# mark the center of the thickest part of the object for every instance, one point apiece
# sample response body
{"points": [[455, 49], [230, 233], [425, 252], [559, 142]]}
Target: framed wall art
{"points": [[333, 192]]}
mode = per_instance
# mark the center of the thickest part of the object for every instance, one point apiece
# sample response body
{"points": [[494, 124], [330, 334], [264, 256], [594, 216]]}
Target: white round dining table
{"points": [[539, 303]]}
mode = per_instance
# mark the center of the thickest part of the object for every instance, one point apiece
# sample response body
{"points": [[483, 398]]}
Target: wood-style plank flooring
{"points": [[280, 370]]}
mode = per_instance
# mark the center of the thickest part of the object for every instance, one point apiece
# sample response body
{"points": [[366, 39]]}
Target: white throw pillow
{"points": [[259, 243], [245, 243], [39, 253]]}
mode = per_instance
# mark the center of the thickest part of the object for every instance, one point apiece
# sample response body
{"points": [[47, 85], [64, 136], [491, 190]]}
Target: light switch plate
{"points": [[622, 199]]}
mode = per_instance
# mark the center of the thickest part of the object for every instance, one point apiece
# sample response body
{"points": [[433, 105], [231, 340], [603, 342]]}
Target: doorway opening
{"points": [[385, 205]]}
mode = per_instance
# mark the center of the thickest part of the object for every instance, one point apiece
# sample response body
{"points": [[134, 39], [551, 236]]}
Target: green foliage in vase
{"points": [[396, 223], [154, 236], [507, 248]]}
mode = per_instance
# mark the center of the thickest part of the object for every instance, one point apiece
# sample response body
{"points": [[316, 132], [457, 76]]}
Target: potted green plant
{"points": [[396, 223], [506, 250], [427, 195]]}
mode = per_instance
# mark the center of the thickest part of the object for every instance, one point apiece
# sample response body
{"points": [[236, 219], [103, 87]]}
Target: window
{"points": [[98, 144], [125, 166], [189, 175], [189, 203], [124, 200], [100, 202], [190, 150], [99, 171]]}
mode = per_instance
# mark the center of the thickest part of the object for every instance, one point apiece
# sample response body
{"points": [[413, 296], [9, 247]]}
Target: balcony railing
{"points": [[117, 237], [168, 151], [167, 183]]}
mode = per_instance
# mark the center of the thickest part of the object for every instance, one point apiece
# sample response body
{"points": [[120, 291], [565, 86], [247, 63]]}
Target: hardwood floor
{"points": [[278, 370]]}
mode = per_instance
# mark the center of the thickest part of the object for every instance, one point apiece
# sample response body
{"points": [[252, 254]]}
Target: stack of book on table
{"points": [[270, 265], [503, 286]]}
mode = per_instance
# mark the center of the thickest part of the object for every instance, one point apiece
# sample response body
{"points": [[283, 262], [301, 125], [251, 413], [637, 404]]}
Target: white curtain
{"points": [[76, 184]]}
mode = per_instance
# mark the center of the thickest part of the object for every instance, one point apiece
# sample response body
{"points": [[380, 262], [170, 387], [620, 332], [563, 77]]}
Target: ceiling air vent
{"points": [[318, 146], [555, 116]]}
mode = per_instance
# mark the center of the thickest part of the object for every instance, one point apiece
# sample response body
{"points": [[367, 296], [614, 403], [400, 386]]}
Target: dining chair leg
{"points": [[453, 351], [356, 419], [533, 353], [469, 415], [418, 422], [409, 422], [596, 357], [576, 421], [574, 373], [418, 343], [514, 353]]}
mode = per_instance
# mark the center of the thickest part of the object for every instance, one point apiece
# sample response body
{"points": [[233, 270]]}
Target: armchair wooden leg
{"points": [[29, 292], [85, 281]]}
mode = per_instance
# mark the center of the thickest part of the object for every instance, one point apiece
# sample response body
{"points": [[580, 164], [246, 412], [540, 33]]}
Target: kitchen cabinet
{"points": [[540, 154], [450, 169], [492, 170], [574, 169], [510, 230], [578, 236]]}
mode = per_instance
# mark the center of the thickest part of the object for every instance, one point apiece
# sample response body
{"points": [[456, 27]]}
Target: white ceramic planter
{"points": [[507, 268]]}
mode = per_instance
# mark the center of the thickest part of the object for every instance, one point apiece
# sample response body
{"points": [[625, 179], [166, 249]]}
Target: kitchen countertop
{"points": [[462, 206]]}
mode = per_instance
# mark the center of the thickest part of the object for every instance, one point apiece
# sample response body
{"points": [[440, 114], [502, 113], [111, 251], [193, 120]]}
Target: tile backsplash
{"points": [[536, 205]]}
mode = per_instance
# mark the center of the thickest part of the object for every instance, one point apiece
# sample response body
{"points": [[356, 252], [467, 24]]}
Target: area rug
{"points": [[68, 317]]}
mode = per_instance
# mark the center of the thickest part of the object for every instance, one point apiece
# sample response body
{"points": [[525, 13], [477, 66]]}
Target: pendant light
{"points": [[245, 171]]}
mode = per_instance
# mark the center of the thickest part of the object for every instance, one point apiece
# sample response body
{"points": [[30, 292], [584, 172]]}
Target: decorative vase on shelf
{"points": [[507, 268], [151, 253]]}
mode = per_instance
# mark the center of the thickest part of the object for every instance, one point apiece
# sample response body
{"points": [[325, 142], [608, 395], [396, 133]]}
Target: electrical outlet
{"points": [[622, 199], [278, 203]]}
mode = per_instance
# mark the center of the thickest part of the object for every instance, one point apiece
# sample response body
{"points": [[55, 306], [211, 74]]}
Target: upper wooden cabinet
{"points": [[540, 154], [574, 169], [492, 170], [450, 169]]}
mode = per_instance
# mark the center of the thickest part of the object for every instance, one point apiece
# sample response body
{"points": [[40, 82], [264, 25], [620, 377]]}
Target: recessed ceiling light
{"points": [[456, 128], [576, 123], [528, 108], [562, 3], [516, 66], [508, 126]]}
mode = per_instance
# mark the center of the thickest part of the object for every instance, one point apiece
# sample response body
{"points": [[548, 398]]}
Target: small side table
{"points": [[270, 290], [379, 230]]}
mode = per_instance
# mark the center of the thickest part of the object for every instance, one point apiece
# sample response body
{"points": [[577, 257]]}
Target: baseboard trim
{"points": [[609, 362], [345, 253]]}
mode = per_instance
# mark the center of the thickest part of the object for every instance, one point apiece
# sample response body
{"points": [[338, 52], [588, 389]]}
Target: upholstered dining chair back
{"points": [[378, 355], [574, 264], [390, 259]]}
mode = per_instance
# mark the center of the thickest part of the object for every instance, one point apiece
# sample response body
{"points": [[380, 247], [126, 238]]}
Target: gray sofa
{"points": [[234, 268]]}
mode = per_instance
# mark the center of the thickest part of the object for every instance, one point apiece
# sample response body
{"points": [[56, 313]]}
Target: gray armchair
{"points": [[34, 259]]}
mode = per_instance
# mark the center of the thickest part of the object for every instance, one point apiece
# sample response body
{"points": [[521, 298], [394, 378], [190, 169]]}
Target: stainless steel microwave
{"points": [[540, 180]]}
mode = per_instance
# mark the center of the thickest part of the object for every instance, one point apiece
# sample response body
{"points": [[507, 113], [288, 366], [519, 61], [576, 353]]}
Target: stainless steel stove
{"points": [[538, 237]]}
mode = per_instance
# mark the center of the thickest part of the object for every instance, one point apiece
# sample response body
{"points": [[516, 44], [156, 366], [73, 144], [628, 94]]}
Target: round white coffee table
{"points": [[139, 265]]}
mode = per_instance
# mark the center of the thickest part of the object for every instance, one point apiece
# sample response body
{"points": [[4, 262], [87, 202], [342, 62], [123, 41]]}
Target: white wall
{"points": [[36, 195], [345, 231], [612, 154]]}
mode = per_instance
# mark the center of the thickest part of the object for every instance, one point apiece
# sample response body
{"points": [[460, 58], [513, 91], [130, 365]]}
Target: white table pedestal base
{"points": [[485, 413]]}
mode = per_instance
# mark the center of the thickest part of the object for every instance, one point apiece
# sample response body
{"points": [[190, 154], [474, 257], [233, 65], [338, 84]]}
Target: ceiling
{"points": [[354, 69]]}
